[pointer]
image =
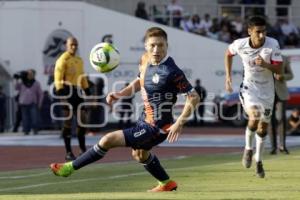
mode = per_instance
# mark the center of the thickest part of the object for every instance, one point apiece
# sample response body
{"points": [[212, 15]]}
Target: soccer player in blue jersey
{"points": [[159, 80]]}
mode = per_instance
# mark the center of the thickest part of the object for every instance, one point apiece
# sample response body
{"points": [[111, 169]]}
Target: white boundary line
{"points": [[113, 177], [23, 176], [102, 178]]}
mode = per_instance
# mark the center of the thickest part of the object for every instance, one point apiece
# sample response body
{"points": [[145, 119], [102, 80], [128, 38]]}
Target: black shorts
{"points": [[143, 136], [74, 101]]}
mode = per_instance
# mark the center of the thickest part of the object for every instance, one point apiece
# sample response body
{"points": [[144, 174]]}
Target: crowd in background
{"points": [[225, 29]]}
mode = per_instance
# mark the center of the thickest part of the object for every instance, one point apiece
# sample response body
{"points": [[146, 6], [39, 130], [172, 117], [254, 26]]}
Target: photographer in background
{"points": [[30, 96]]}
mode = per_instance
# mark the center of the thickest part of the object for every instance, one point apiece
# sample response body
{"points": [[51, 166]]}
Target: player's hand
{"points": [[279, 77], [228, 84], [111, 98], [259, 61], [173, 132]]}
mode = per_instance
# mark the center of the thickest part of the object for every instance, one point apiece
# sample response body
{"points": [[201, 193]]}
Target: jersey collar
{"points": [[162, 61]]}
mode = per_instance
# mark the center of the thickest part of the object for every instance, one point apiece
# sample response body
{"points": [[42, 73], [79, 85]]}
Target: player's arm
{"points": [[228, 66], [128, 91], [59, 73], [294, 125], [84, 84], [275, 67], [288, 72], [192, 100]]}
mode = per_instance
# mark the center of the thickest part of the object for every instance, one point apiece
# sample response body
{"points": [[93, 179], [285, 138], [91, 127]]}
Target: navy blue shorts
{"points": [[143, 136]]}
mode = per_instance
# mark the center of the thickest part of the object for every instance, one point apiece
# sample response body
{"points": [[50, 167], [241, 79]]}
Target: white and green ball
{"points": [[104, 57]]}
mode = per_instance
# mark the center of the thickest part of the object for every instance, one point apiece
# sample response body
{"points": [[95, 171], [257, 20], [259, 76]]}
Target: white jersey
{"points": [[257, 88], [255, 76]]}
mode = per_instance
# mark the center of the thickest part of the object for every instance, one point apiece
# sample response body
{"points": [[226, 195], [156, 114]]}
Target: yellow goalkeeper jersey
{"points": [[69, 71]]}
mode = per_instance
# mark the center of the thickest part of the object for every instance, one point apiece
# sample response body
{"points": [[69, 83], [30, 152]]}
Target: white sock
{"points": [[259, 147], [249, 135]]}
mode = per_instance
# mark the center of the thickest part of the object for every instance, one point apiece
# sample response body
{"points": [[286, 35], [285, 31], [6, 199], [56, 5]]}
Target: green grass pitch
{"points": [[198, 177]]}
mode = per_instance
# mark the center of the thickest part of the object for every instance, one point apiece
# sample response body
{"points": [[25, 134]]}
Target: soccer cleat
{"points": [[70, 157], [273, 152], [247, 158], [62, 169], [260, 172], [284, 151], [168, 187]]}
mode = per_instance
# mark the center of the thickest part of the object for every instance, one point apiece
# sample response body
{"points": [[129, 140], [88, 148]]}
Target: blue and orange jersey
{"points": [[160, 85]]}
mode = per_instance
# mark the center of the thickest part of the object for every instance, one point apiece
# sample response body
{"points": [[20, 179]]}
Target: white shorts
{"points": [[251, 97]]}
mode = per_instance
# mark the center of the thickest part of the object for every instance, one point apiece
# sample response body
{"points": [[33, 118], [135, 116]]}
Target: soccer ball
{"points": [[104, 57]]}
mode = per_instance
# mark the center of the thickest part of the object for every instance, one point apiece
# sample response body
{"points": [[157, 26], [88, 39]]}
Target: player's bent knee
{"points": [[105, 142], [140, 155], [261, 133], [252, 125]]}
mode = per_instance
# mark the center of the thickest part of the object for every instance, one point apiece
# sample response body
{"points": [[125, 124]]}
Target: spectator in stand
{"points": [[140, 11], [290, 33], [174, 10], [224, 34], [288, 27], [157, 15], [186, 23], [206, 23], [30, 100], [195, 22], [2, 110], [275, 32], [214, 29], [237, 25]]}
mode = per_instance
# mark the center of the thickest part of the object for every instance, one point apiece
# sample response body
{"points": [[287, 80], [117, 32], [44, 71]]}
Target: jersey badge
{"points": [[155, 78]]}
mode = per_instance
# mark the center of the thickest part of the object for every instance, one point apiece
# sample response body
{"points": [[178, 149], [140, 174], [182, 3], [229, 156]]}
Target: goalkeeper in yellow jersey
{"points": [[69, 81]]}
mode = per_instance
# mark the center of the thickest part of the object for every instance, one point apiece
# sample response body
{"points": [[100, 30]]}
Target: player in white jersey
{"points": [[261, 58]]}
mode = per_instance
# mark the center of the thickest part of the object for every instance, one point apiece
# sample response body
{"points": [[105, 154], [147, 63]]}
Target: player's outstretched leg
{"points": [[66, 169], [62, 169]]}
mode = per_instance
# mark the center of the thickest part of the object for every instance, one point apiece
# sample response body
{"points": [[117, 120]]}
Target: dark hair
{"points": [[256, 21], [156, 32]]}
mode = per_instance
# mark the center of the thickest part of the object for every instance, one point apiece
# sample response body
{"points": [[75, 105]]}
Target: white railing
{"points": [[230, 10]]}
